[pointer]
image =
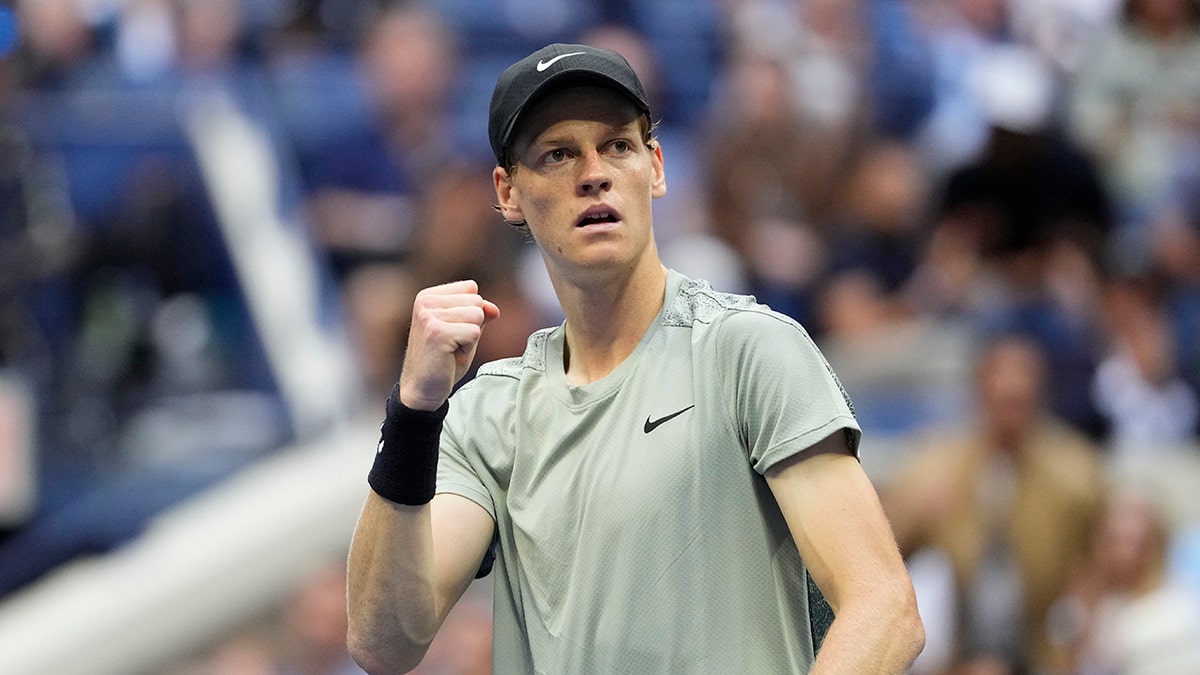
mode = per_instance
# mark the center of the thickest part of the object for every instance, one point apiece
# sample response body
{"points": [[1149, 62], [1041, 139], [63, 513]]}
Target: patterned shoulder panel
{"points": [[698, 302], [510, 367], [533, 358]]}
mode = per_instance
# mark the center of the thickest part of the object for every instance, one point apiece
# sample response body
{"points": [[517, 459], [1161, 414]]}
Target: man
{"points": [[654, 475]]}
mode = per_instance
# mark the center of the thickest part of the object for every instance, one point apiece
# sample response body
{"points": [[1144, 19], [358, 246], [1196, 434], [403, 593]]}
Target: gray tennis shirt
{"points": [[634, 530]]}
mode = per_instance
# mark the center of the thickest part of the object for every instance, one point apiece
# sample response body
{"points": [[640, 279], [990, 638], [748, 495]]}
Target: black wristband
{"points": [[405, 469]]}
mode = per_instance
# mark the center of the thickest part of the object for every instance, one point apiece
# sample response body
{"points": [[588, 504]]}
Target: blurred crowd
{"points": [[214, 215]]}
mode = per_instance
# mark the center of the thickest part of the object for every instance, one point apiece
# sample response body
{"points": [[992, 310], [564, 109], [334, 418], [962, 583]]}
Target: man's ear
{"points": [[659, 187], [510, 207]]}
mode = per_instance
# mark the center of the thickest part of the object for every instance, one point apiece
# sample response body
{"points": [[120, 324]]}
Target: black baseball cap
{"points": [[551, 68]]}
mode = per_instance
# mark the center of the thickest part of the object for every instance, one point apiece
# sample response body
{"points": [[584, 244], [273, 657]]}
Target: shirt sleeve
{"points": [[457, 472], [785, 396]]}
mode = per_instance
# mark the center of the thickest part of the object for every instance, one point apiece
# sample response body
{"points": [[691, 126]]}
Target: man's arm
{"points": [[409, 563], [408, 566], [834, 516]]}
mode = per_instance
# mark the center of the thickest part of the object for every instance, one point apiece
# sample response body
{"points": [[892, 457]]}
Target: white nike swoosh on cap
{"points": [[542, 65]]}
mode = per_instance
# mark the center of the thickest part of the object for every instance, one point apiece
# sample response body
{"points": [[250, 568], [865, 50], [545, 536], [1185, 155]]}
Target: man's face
{"points": [[1011, 379], [584, 181]]}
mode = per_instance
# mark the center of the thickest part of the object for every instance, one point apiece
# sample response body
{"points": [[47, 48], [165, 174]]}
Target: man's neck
{"points": [[605, 322]]}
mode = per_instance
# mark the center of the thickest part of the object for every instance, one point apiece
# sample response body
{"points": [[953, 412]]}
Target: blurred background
{"points": [[214, 215]]}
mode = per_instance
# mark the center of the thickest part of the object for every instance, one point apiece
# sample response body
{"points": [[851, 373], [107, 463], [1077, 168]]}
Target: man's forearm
{"points": [[885, 636], [391, 590]]}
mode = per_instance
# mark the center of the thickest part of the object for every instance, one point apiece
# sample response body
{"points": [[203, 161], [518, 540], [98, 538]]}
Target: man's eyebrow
{"points": [[550, 140], [609, 130]]}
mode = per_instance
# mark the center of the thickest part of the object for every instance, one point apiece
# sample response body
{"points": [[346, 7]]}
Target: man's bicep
{"points": [[462, 534], [833, 513]]}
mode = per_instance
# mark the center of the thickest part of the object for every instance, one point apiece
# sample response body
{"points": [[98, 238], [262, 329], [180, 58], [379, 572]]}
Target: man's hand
{"points": [[447, 322]]}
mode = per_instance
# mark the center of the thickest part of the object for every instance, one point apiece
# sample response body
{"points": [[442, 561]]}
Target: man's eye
{"points": [[556, 156], [621, 147]]}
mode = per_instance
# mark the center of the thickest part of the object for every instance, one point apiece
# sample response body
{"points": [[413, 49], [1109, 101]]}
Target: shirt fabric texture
{"points": [[635, 532]]}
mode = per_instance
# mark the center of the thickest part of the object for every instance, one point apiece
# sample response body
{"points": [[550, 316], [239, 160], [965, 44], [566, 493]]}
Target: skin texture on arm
{"points": [[408, 566], [840, 530]]}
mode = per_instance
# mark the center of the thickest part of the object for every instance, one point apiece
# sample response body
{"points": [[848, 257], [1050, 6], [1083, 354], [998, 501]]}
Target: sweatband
{"points": [[405, 468]]}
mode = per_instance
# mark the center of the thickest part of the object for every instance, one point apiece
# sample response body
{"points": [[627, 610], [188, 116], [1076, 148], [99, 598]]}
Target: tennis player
{"points": [[653, 477]]}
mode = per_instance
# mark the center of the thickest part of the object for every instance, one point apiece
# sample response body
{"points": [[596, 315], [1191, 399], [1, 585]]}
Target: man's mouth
{"points": [[596, 218]]}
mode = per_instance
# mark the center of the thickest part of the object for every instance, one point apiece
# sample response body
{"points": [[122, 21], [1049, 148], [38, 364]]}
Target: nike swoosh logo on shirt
{"points": [[542, 65], [652, 425]]}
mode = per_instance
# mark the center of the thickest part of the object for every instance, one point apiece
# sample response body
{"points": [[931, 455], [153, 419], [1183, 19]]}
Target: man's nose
{"points": [[594, 175]]}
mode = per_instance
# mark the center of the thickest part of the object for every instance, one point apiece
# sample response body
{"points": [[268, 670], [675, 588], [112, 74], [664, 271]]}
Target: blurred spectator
{"points": [[882, 215], [1137, 386], [1132, 616], [1135, 105], [1062, 31], [901, 71], [787, 110], [1028, 185], [1176, 274], [961, 35], [364, 184], [56, 42], [160, 38], [317, 25], [771, 178], [827, 64], [904, 366], [1037, 212], [905, 370], [1010, 500]]}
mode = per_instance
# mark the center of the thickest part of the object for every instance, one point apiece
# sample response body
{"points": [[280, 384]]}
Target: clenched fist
{"points": [[447, 322]]}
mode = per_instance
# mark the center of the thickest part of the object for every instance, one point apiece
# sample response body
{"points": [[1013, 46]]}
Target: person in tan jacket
{"points": [[1010, 501]]}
